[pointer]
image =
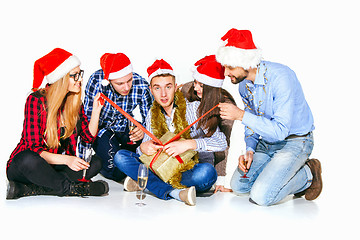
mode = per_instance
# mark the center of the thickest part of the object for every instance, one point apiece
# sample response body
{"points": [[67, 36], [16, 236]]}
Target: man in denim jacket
{"points": [[278, 125]]}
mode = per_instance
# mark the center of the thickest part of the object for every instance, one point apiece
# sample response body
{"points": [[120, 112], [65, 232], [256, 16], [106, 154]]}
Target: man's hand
{"points": [[221, 188], [230, 112], [178, 147], [149, 147], [245, 163], [136, 134]]}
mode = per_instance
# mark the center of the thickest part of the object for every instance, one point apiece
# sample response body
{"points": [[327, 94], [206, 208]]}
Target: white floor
{"points": [[304, 35], [219, 215], [222, 215]]}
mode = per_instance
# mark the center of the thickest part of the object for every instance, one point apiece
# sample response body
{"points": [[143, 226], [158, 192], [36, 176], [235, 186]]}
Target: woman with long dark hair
{"points": [[45, 161], [206, 88]]}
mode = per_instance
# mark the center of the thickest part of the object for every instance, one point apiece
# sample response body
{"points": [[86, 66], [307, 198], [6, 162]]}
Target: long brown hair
{"points": [[211, 96], [62, 110]]}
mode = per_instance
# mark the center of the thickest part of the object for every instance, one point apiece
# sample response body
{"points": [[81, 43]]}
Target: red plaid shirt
{"points": [[32, 137]]}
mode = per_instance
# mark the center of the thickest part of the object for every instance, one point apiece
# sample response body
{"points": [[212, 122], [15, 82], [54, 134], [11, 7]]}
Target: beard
{"points": [[238, 79]]}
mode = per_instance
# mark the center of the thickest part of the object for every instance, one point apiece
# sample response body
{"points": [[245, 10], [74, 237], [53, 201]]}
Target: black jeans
{"points": [[28, 167], [107, 146]]}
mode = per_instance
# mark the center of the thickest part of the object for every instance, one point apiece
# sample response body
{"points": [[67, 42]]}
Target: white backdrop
{"points": [[319, 40]]}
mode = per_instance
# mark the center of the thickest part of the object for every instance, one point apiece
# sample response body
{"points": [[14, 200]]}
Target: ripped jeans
{"points": [[278, 169]]}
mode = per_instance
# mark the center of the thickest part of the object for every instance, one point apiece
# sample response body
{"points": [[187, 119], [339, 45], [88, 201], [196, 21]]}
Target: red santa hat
{"points": [[115, 65], [210, 72], [239, 50], [159, 67], [54, 65]]}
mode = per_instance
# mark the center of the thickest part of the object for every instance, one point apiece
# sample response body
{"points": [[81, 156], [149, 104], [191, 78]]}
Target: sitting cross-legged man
{"points": [[171, 112]]}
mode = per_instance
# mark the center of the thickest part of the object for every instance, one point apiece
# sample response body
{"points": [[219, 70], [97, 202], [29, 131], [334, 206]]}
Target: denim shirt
{"points": [[275, 105]]}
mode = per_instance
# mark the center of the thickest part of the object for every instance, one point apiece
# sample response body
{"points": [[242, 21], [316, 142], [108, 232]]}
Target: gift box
{"points": [[166, 167]]}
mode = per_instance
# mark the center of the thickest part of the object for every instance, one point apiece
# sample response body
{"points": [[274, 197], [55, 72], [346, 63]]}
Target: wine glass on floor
{"points": [[143, 174]]}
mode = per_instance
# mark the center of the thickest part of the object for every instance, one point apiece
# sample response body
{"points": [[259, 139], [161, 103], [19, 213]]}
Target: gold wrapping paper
{"points": [[167, 167]]}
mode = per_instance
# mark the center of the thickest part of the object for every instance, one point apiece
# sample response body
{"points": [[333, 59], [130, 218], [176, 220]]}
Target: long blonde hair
{"points": [[62, 106]]}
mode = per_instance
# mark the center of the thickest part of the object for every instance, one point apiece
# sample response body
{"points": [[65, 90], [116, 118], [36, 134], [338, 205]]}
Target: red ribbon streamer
{"points": [[128, 116], [176, 137], [188, 127]]}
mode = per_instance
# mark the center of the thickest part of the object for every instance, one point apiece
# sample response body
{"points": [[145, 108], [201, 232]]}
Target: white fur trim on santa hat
{"points": [[213, 82], [237, 57], [121, 73], [160, 72], [65, 67], [105, 82]]}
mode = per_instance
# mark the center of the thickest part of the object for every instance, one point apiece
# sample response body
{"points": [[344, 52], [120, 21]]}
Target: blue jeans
{"points": [[278, 170], [202, 176]]}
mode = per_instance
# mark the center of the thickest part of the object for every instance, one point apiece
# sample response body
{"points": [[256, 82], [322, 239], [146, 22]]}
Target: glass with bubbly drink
{"points": [[143, 174], [131, 128]]}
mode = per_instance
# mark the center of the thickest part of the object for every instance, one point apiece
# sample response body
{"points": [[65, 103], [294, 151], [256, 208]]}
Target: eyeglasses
{"points": [[77, 75]]}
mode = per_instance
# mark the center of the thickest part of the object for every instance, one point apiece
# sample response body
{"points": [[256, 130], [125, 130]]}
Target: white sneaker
{"points": [[188, 196], [130, 185]]}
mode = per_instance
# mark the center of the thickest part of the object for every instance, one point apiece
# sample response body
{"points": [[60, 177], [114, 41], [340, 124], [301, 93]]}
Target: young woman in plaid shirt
{"points": [[45, 161]]}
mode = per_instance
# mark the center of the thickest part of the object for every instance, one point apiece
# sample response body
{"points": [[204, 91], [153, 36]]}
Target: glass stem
{"points": [[84, 173]]}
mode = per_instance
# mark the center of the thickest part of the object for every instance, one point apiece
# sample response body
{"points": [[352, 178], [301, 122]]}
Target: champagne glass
{"points": [[245, 161], [143, 174], [88, 152], [131, 128]]}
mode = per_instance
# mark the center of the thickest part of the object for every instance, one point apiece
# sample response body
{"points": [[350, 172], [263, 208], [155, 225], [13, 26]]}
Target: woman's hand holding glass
{"points": [[76, 163]]}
